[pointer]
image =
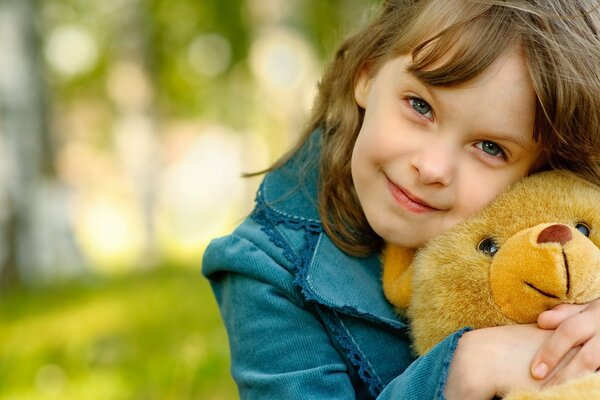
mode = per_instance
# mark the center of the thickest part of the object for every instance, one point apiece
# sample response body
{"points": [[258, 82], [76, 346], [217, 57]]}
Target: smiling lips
{"points": [[408, 200]]}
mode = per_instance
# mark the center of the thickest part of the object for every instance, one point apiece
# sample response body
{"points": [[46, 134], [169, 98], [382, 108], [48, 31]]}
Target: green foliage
{"points": [[154, 335], [163, 31]]}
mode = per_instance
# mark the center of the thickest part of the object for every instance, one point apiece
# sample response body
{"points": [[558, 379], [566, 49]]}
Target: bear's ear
{"points": [[397, 275]]}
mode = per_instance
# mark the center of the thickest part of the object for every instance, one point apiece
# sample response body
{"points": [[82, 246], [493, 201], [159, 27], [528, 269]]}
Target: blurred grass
{"points": [[150, 335]]}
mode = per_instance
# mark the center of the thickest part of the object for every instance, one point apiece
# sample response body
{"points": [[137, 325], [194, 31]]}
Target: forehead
{"points": [[503, 94]]}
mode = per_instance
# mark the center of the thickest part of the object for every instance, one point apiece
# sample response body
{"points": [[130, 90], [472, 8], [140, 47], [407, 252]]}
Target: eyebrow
{"points": [[421, 82], [507, 137]]}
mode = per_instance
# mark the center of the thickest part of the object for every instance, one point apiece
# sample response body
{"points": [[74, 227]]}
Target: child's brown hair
{"points": [[451, 42]]}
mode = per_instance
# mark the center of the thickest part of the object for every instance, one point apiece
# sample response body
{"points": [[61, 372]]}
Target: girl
{"points": [[421, 120]]}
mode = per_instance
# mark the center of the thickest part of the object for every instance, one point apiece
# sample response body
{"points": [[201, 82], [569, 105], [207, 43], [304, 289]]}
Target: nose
{"points": [[435, 163], [557, 233]]}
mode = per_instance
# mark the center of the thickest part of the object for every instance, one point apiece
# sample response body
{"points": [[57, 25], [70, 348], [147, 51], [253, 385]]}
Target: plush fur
{"points": [[542, 259]]}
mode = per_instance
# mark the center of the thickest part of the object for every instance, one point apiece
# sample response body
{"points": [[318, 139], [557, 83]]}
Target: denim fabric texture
{"points": [[304, 319]]}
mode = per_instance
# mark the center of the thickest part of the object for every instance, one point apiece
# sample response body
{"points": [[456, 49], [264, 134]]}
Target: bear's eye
{"points": [[488, 247], [583, 228]]}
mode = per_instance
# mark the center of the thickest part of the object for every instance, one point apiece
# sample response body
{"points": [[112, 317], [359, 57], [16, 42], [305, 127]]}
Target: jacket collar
{"points": [[329, 276], [346, 283]]}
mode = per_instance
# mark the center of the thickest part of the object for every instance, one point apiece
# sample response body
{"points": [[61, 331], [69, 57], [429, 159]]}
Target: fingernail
{"points": [[540, 370]]}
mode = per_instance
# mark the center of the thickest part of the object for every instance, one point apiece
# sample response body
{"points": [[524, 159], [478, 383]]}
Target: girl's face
{"points": [[428, 157]]}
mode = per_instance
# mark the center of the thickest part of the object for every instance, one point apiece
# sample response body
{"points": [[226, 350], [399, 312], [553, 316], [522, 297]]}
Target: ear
{"points": [[362, 88]]}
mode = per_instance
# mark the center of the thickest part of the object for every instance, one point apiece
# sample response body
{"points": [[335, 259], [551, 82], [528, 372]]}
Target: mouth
{"points": [[540, 291], [409, 201]]}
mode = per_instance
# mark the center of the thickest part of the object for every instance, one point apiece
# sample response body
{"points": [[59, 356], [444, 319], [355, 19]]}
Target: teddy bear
{"points": [[534, 247]]}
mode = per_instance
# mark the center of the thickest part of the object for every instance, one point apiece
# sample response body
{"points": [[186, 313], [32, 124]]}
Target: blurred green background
{"points": [[124, 128]]}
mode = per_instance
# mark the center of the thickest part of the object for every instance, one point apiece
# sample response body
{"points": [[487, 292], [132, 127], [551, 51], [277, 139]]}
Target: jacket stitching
{"points": [[353, 353], [261, 198]]}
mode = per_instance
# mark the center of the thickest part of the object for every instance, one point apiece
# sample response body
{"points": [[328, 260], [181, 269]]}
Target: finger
{"points": [[563, 362], [571, 333], [586, 360], [552, 318]]}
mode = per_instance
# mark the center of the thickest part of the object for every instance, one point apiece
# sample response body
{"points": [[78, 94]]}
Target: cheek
{"points": [[366, 148], [485, 187], [361, 162], [476, 197], [357, 154]]}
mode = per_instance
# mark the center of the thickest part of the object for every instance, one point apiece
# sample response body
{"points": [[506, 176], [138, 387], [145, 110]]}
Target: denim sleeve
{"points": [[280, 348], [426, 377]]}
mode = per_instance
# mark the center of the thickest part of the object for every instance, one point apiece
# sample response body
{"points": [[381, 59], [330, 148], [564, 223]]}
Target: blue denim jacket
{"points": [[306, 320]]}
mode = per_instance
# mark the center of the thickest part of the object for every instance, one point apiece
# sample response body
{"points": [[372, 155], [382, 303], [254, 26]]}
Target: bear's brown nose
{"points": [[555, 234]]}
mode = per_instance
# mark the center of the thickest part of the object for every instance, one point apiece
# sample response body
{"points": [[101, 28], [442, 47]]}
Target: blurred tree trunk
{"points": [[135, 49], [25, 148]]}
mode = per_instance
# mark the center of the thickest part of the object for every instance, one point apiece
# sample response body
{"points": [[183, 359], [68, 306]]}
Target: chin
{"points": [[406, 241], [397, 232]]}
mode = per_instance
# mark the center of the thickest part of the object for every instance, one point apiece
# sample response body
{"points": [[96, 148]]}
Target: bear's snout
{"points": [[557, 233]]}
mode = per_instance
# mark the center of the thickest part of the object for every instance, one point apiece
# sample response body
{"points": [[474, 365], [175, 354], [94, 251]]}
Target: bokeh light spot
{"points": [[281, 59], [71, 50], [51, 380], [210, 54]]}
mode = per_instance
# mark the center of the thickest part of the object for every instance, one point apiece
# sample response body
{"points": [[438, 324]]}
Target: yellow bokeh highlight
{"points": [[111, 233]]}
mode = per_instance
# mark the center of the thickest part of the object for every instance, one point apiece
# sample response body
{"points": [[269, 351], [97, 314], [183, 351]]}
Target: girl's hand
{"points": [[575, 327], [492, 361]]}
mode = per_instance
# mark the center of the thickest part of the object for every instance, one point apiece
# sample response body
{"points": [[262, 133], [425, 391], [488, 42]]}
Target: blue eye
{"points": [[488, 247], [583, 228], [490, 148], [421, 106]]}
